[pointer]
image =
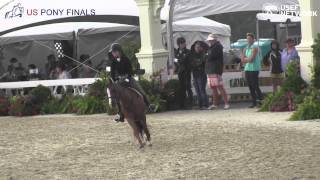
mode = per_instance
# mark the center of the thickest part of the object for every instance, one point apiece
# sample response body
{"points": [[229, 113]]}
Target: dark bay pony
{"points": [[133, 108]]}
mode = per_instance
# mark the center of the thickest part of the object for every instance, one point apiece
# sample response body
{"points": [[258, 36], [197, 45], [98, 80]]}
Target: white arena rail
{"points": [[79, 85]]}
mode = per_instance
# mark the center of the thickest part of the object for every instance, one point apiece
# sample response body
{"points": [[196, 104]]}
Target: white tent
{"points": [[34, 44], [58, 31], [185, 9], [276, 18], [19, 13], [198, 29], [93, 37]]}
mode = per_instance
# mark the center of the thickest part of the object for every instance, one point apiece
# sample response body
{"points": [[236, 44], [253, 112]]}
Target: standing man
{"points": [[198, 54], [182, 62], [252, 62], [214, 70]]}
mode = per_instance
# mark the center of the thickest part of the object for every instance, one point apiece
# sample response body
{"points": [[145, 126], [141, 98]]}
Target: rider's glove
{"points": [[126, 80]]}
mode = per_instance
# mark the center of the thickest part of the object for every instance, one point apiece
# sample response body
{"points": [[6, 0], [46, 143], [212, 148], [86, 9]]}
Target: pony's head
{"points": [[112, 89]]}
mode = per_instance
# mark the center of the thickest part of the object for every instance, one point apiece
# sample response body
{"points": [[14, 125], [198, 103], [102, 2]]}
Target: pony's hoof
{"points": [[149, 144], [141, 146]]}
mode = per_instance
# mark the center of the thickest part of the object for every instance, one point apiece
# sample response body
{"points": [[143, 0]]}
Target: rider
{"points": [[121, 70]]}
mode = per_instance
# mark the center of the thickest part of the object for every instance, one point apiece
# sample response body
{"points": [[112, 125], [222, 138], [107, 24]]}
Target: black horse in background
{"points": [[133, 108]]}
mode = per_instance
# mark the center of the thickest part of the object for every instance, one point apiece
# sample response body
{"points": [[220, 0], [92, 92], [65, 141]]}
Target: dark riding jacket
{"points": [[121, 68], [183, 64], [214, 59]]}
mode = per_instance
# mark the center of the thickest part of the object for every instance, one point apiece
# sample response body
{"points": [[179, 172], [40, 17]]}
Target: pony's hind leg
{"points": [[136, 132]]}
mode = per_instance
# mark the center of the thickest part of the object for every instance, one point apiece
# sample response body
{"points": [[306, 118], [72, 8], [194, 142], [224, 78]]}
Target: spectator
{"points": [[289, 54], [33, 72], [53, 73], [214, 70], [50, 66], [11, 74], [252, 62], [182, 63], [198, 51], [21, 73], [61, 72], [273, 59], [86, 70], [70, 67]]}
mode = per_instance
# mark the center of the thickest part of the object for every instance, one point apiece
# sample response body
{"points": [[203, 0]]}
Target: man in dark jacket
{"points": [[214, 70], [183, 68], [198, 51]]}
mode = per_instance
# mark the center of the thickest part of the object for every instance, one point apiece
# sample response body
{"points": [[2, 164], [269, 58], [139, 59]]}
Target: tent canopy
{"points": [[278, 18], [60, 31], [190, 8], [200, 24], [63, 31], [19, 13], [198, 29]]}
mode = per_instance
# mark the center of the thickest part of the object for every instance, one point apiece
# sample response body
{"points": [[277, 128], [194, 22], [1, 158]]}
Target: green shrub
{"points": [[4, 106], [61, 105], [294, 82], [275, 102], [40, 94], [171, 94], [307, 111], [98, 89], [310, 108], [30, 104], [52, 107], [153, 91], [89, 105], [16, 106], [267, 103], [316, 48], [158, 101], [315, 81], [22, 106]]}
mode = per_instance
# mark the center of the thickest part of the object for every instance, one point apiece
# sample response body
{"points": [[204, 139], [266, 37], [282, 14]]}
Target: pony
{"points": [[134, 110]]}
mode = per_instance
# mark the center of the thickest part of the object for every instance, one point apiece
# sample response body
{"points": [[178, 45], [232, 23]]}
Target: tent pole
{"points": [[170, 35], [287, 31], [258, 37], [75, 45], [257, 30]]}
